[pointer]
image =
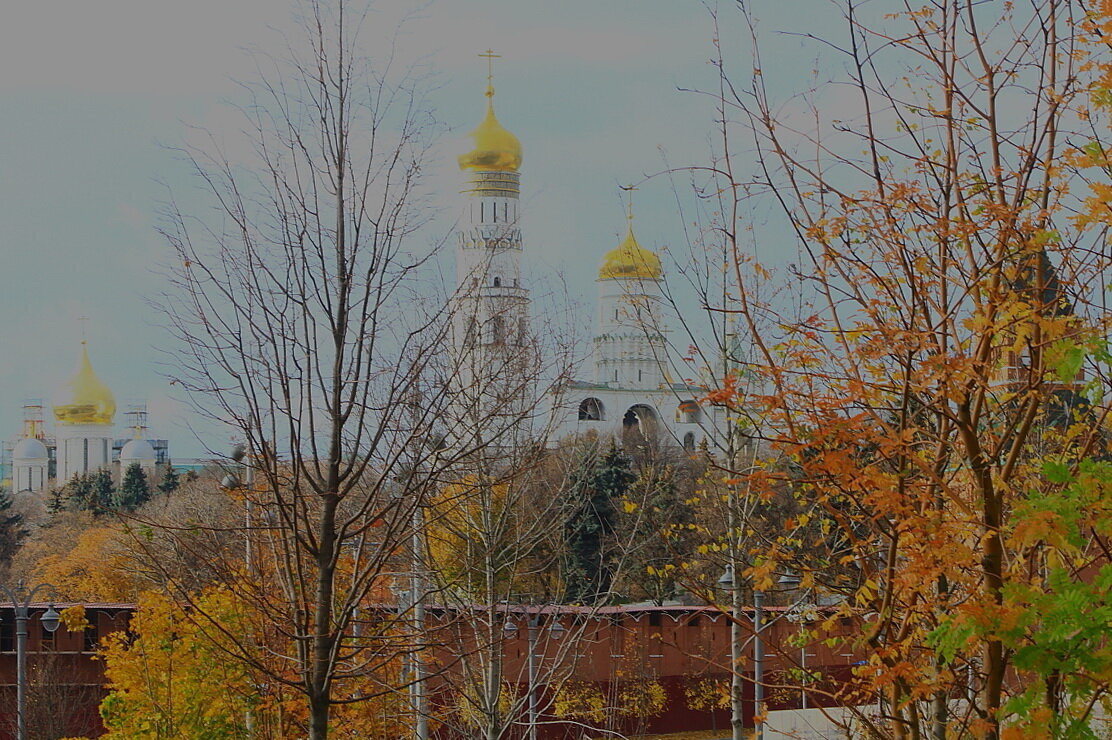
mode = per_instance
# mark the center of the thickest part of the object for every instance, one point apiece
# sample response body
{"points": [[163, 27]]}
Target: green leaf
{"points": [[1057, 472], [1068, 358]]}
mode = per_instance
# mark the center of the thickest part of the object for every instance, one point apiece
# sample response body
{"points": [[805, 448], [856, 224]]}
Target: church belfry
{"points": [[630, 351], [491, 308]]}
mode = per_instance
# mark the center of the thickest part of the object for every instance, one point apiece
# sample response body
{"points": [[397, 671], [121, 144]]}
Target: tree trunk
{"points": [[323, 638]]}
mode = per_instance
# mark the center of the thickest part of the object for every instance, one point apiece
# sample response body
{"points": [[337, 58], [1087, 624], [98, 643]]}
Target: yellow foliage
{"points": [[74, 619], [168, 678], [581, 701], [472, 526], [468, 702], [708, 694], [642, 699], [173, 675], [96, 568]]}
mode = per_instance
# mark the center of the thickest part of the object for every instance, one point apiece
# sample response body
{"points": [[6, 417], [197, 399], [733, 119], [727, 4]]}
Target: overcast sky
{"points": [[92, 94]]}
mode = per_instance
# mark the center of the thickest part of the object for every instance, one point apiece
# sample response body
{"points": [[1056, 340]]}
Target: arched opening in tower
{"points": [[590, 409], [639, 424]]}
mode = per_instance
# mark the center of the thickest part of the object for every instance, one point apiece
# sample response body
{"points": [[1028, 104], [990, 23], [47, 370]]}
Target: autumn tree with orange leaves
{"points": [[932, 393]]}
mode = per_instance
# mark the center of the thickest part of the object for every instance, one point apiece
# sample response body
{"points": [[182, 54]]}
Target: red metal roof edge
{"points": [[59, 605]]}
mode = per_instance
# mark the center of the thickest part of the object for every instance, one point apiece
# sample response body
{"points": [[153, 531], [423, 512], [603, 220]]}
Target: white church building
{"points": [[631, 392], [84, 438]]}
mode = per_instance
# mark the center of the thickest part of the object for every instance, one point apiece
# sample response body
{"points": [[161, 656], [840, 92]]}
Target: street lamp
{"points": [[555, 631], [49, 621], [419, 697], [726, 582], [232, 482], [791, 581]]}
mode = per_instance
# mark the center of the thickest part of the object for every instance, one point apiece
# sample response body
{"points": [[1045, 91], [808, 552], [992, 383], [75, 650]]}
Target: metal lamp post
{"points": [[49, 620], [233, 482], [727, 583], [556, 631], [758, 664], [418, 696], [791, 581], [418, 585]]}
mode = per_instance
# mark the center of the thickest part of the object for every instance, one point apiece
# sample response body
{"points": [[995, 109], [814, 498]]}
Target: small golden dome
{"points": [[629, 260], [496, 149], [85, 399]]}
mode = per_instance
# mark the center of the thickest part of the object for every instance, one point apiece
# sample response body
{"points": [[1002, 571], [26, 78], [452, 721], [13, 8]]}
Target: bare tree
{"points": [[303, 322], [494, 531], [59, 703]]}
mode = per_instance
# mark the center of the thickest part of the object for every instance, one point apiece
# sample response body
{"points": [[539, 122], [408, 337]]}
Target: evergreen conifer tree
{"points": [[57, 501], [134, 489], [102, 494], [77, 494], [590, 559], [170, 480], [11, 528], [655, 532]]}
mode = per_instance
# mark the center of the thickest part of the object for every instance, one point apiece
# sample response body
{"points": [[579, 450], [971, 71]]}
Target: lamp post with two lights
{"points": [[21, 599], [555, 631], [727, 582]]}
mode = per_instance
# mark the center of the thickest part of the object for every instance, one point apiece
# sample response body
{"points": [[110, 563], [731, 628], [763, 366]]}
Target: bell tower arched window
{"points": [[689, 413], [591, 409]]}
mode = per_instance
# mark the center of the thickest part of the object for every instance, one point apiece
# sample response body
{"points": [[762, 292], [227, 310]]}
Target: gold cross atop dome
{"points": [[84, 399], [628, 189], [490, 57], [496, 149], [629, 260]]}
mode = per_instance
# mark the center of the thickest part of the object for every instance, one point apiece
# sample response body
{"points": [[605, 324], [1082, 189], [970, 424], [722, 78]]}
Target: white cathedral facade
{"points": [[84, 438], [630, 392]]}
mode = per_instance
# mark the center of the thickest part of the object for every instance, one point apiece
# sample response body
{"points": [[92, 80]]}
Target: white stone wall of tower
{"points": [[488, 269], [28, 477], [629, 346], [490, 245], [29, 474], [83, 448], [138, 451], [491, 309], [681, 429], [30, 463]]}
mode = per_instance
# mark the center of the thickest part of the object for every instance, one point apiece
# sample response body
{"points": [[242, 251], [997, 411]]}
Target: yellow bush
{"points": [[582, 701], [642, 699]]}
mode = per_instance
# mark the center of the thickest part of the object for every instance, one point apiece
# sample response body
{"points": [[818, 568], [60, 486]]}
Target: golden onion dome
{"points": [[84, 399], [629, 260], [496, 149]]}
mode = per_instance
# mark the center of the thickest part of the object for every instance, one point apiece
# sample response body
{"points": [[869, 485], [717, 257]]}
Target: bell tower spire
{"points": [[491, 308]]}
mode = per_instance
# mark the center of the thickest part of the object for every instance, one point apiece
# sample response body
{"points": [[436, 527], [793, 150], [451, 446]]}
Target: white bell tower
{"points": [[490, 322]]}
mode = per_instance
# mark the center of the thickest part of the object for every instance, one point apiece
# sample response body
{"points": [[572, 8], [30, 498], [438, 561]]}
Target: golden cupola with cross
{"points": [[495, 148], [629, 260], [84, 398], [629, 342], [491, 304]]}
